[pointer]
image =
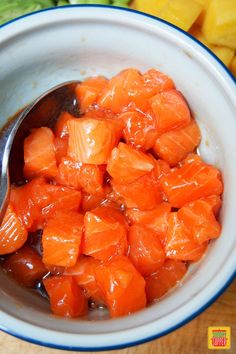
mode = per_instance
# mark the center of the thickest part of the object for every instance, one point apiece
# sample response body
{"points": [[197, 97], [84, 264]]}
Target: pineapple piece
{"points": [[204, 4], [219, 26], [233, 66], [225, 54], [151, 7], [196, 32], [182, 13]]}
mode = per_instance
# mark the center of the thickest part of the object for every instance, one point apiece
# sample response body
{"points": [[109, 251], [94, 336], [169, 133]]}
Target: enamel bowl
{"points": [[46, 48]]}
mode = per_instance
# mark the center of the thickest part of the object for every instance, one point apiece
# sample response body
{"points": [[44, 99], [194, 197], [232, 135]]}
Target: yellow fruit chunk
{"points": [[233, 65], [182, 13], [204, 4], [219, 25], [151, 7], [225, 54], [197, 33]]}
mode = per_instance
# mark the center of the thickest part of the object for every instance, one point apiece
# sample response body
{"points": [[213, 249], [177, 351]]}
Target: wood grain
{"points": [[190, 339]]}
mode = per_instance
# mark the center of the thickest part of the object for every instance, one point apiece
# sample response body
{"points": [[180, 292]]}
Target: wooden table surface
{"points": [[190, 339]]}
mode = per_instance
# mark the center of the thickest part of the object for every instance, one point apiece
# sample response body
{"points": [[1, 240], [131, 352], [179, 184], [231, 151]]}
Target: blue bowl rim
{"points": [[228, 281]]}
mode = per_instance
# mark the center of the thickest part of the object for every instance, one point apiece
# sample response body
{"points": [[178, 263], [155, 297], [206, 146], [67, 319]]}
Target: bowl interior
{"points": [[47, 48]]}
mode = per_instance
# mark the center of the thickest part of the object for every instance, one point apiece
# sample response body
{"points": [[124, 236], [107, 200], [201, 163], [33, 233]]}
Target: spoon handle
{"points": [[5, 146]]}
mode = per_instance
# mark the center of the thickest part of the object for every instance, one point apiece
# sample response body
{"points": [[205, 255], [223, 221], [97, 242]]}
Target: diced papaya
{"points": [[122, 285], [13, 233], [171, 110], [156, 82], [61, 147], [61, 239], [89, 91], [180, 244], [140, 129], [125, 90], [215, 202], [145, 249], [39, 154], [80, 176], [198, 217], [92, 140], [190, 182], [25, 266], [66, 297], [84, 274], [159, 283], [61, 129], [175, 145], [127, 164], [144, 193], [155, 219], [105, 233]]}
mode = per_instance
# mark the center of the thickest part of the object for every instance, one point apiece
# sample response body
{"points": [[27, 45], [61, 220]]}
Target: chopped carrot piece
{"points": [[61, 129], [84, 274], [127, 164], [155, 219], [80, 176], [145, 249], [13, 233], [61, 147], [39, 154], [66, 297], [171, 110], [180, 245], [105, 233], [190, 182], [62, 238], [215, 202], [175, 145], [92, 140], [199, 218], [144, 193], [156, 82], [89, 91], [124, 90], [25, 266], [122, 286], [159, 283], [140, 129]]}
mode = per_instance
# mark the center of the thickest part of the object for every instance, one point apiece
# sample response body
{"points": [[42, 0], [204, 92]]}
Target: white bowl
{"points": [[43, 49]]}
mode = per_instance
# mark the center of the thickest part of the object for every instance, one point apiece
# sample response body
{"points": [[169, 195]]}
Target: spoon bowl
{"points": [[44, 111]]}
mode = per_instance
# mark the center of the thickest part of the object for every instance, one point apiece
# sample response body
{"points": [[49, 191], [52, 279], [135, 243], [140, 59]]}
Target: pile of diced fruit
{"points": [[116, 203], [212, 22]]}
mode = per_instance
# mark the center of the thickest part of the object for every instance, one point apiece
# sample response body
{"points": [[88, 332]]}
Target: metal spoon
{"points": [[44, 111]]}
